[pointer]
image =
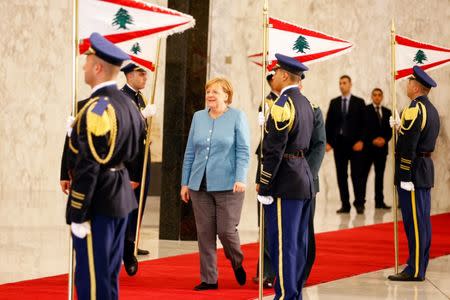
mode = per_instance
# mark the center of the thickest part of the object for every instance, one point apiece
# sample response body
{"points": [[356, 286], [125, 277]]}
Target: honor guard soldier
{"points": [[314, 157], [286, 183], [269, 274], [136, 79], [418, 130], [105, 135]]}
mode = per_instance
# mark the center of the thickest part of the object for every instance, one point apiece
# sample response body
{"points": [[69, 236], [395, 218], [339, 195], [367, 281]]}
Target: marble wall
{"points": [[36, 70], [235, 33]]}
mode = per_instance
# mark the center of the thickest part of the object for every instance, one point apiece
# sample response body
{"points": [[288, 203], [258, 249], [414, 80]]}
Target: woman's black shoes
{"points": [[241, 276], [206, 286]]}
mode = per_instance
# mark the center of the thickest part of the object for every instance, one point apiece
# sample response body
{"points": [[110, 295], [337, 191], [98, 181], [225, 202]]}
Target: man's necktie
{"points": [[377, 108], [344, 107]]}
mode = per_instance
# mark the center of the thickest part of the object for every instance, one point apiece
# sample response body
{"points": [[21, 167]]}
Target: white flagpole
{"points": [[263, 104], [394, 138], [74, 113]]}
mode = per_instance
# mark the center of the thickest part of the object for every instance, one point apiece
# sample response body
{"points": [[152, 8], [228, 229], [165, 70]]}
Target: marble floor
{"points": [[34, 243]]}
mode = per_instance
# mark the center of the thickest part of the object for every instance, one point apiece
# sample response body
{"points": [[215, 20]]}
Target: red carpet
{"points": [[340, 254]]}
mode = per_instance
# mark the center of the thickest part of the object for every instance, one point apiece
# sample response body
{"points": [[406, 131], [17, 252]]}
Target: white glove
{"points": [[149, 111], [81, 230], [407, 185], [261, 118], [395, 120], [69, 124], [266, 200]]}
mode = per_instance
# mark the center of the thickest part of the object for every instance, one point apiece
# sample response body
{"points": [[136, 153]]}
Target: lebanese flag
{"points": [[306, 45], [124, 20], [409, 53], [141, 50]]}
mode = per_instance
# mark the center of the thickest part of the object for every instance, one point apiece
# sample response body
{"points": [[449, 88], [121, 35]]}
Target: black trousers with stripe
{"points": [[99, 259]]}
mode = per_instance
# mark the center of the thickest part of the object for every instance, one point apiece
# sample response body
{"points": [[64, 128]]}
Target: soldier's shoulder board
{"points": [[98, 120], [283, 111], [100, 106]]}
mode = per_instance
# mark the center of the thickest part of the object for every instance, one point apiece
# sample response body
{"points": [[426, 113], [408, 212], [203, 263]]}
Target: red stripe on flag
{"points": [[282, 25], [310, 57], [144, 6], [145, 63], [255, 55], [122, 37], [409, 71], [411, 43]]}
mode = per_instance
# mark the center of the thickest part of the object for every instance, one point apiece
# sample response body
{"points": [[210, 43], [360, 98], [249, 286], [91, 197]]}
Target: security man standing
{"points": [[418, 130], [136, 79], [105, 134], [286, 183]]}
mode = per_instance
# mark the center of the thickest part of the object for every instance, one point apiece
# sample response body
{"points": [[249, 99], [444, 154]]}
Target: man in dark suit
{"points": [[136, 80], [345, 135], [378, 134]]}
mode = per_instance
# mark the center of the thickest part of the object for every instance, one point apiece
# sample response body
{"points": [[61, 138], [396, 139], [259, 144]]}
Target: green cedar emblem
{"points": [[122, 18], [420, 57], [301, 44], [136, 48]]}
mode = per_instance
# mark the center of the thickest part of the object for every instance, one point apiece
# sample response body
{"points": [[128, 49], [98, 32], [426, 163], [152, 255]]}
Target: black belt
{"points": [[423, 154], [418, 154], [116, 168], [294, 155]]}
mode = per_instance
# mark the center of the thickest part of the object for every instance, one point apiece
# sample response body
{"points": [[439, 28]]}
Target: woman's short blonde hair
{"points": [[225, 84]]}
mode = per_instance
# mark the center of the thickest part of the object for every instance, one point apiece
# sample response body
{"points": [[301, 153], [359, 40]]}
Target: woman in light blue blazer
{"points": [[214, 177]]}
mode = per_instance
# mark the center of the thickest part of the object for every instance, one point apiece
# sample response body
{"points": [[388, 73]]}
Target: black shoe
{"points": [[343, 210], [206, 286], [360, 210], [241, 276], [131, 265], [382, 206], [403, 276], [143, 252]]}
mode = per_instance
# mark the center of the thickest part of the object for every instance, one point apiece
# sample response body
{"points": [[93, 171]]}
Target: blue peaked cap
{"points": [[106, 50], [422, 77], [132, 67], [290, 64]]}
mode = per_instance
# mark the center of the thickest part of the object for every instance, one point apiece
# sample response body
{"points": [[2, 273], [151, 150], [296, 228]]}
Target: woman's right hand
{"points": [[184, 193]]}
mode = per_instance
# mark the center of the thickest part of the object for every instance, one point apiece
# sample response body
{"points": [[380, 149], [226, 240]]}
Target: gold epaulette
{"points": [[410, 114], [283, 111], [100, 120], [98, 123]]}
